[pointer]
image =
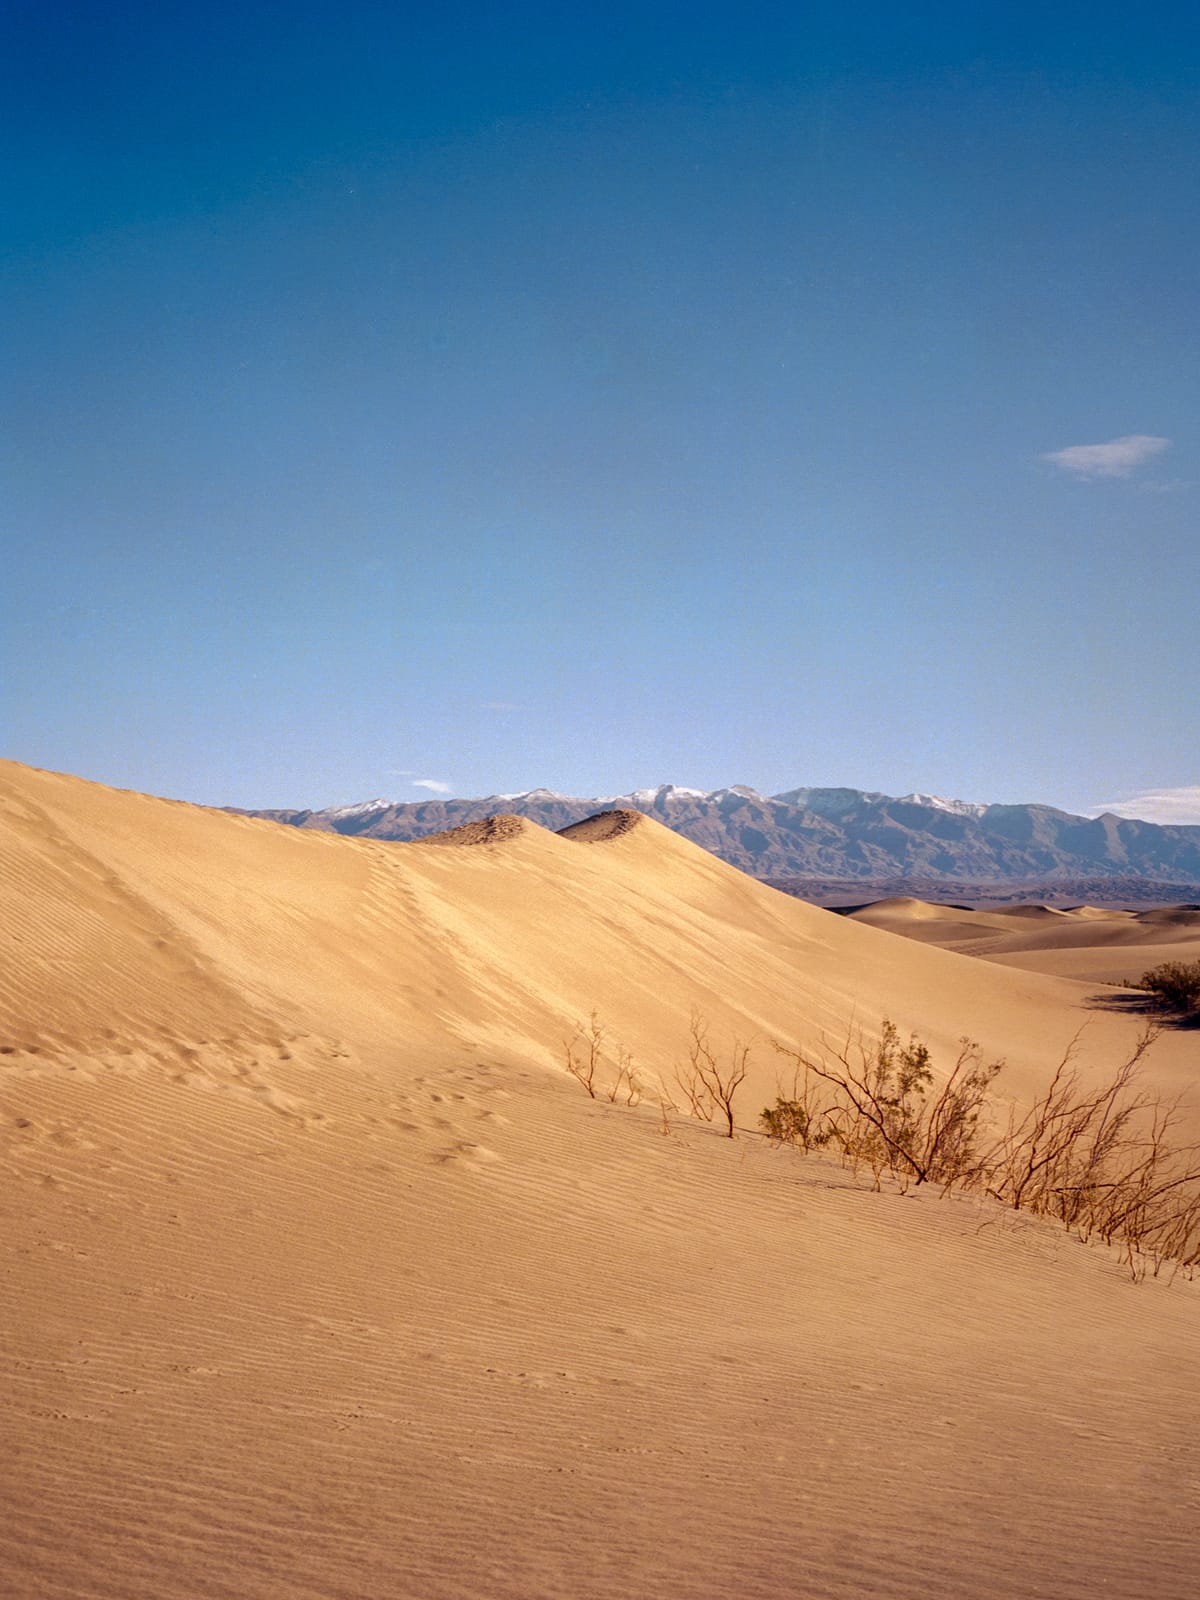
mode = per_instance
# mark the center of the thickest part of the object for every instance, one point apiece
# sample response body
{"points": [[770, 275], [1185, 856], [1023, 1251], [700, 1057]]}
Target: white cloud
{"points": [[1116, 459], [1159, 805], [437, 785]]}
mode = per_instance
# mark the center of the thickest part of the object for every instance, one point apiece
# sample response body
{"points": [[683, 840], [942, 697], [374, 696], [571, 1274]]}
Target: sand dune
{"points": [[324, 1279], [1086, 943]]}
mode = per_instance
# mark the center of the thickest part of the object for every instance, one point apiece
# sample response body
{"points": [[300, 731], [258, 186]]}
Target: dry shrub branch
{"points": [[626, 1082], [878, 1110], [584, 1057], [1105, 1163], [583, 1050], [709, 1083], [1100, 1159]]}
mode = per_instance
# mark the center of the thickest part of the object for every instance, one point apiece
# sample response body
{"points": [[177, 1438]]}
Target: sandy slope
{"points": [[322, 1278]]}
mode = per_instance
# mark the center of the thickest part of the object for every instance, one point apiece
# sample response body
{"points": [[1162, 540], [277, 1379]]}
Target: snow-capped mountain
{"points": [[836, 836], [364, 808]]}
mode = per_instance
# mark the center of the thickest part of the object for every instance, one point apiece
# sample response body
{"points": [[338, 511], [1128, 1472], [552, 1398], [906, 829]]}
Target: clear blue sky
{"points": [[500, 395]]}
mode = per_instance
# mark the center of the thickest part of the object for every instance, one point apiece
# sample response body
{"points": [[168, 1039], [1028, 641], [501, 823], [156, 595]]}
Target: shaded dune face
{"points": [[322, 1277]]}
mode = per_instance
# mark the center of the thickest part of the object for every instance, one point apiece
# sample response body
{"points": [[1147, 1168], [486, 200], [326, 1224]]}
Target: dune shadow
{"points": [[1144, 1006]]}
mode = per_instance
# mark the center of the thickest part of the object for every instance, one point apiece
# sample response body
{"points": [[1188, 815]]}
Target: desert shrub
{"points": [[1176, 984], [796, 1121], [708, 1081], [626, 1082], [881, 1110], [584, 1055], [1099, 1158], [1103, 1162], [583, 1052]]}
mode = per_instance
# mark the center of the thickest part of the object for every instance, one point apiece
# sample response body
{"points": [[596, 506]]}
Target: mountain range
{"points": [[827, 843]]}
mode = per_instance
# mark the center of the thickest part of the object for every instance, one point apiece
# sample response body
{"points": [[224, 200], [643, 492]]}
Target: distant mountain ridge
{"points": [[838, 836]]}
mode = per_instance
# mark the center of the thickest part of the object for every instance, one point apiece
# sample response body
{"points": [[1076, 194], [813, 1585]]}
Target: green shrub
{"points": [[794, 1122], [1175, 984], [879, 1111]]}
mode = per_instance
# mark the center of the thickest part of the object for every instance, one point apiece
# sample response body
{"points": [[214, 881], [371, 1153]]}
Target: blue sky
{"points": [[596, 396]]}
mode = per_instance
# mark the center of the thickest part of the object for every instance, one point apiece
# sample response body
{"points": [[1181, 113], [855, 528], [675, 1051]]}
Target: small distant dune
{"points": [[1036, 911], [928, 920], [901, 906], [1185, 916], [1083, 943]]}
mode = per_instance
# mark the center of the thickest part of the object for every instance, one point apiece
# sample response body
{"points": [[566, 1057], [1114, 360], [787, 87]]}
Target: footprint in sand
{"points": [[473, 1157]]}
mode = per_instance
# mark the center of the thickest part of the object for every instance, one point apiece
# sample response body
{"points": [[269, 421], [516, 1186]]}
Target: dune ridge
{"points": [[603, 826], [326, 1279], [488, 830]]}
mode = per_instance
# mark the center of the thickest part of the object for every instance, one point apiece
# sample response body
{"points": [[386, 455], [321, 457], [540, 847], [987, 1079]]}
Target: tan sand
{"points": [[1087, 944], [323, 1279]]}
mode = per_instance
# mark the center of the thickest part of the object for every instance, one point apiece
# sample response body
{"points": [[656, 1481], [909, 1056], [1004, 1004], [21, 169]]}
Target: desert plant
{"points": [[708, 1083], [583, 1050], [1104, 1163], [665, 1106], [626, 1081], [1175, 984], [1066, 1134], [799, 1118], [881, 1113], [1100, 1158], [791, 1122], [584, 1054]]}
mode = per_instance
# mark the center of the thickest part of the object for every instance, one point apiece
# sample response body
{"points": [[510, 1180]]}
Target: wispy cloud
{"points": [[1116, 459], [437, 785], [1158, 805]]}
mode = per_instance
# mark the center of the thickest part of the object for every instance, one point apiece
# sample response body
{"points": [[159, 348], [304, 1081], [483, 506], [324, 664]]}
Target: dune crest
{"points": [[488, 830], [603, 826]]}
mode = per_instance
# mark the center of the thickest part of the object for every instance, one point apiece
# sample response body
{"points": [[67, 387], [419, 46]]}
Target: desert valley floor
{"points": [[323, 1279]]}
